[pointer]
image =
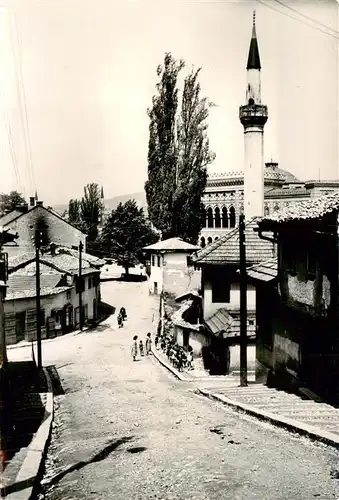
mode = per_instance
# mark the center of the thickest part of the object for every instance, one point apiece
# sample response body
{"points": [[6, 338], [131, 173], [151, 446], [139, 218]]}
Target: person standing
{"points": [[148, 344], [134, 349], [141, 348]]}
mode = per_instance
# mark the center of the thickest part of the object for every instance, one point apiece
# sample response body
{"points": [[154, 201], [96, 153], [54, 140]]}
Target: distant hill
{"points": [[112, 203]]}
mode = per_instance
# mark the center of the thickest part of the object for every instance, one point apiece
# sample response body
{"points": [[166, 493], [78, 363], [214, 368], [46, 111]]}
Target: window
{"points": [[232, 217], [266, 210], [153, 260], [290, 260], [224, 217], [90, 284], [209, 217], [204, 217], [209, 240], [68, 295], [79, 284], [220, 291], [202, 242], [159, 261], [217, 217], [311, 265]]}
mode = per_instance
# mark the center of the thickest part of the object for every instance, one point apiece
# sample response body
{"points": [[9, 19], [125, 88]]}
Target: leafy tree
{"points": [[178, 153], [8, 202], [74, 212], [125, 234], [85, 214]]}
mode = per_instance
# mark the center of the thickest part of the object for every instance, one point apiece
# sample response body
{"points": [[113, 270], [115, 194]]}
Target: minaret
{"points": [[253, 116]]}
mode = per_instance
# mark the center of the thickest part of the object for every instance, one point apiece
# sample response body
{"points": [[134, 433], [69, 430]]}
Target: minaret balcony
{"points": [[253, 115]]}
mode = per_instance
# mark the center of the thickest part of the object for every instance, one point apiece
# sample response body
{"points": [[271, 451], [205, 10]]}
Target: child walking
{"points": [[134, 349], [141, 348], [148, 344]]}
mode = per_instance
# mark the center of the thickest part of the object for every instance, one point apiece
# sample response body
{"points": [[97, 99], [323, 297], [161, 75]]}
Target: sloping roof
{"points": [[192, 295], [66, 261], [30, 294], [91, 259], [228, 325], [265, 271], [172, 245], [226, 250], [16, 214], [17, 281], [6, 219], [306, 209], [178, 320]]}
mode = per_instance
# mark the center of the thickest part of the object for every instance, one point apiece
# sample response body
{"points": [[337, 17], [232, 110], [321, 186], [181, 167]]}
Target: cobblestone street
{"points": [[128, 430]]}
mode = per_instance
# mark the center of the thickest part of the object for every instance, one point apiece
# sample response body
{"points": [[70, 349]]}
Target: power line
{"points": [[307, 17], [295, 19], [22, 105]]}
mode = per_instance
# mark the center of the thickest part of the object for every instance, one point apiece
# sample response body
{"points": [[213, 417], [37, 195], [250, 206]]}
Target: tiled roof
{"points": [[6, 219], [192, 295], [226, 249], [29, 294], [306, 209], [178, 320], [91, 259], [172, 244], [265, 271], [222, 322], [67, 261], [17, 281]]}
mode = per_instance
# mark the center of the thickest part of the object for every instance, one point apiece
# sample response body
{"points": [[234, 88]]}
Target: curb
{"points": [[32, 466], [170, 368], [310, 431]]}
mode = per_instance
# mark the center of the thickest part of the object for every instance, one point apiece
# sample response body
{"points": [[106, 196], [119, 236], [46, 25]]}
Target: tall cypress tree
{"points": [[178, 154]]}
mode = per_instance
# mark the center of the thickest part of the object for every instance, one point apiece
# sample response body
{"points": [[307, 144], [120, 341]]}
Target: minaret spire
{"points": [[253, 116], [253, 61]]}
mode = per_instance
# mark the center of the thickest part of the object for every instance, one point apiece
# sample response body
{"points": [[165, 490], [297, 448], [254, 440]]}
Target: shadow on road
{"points": [[101, 455]]}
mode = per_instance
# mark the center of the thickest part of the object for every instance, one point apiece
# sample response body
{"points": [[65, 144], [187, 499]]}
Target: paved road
{"points": [[129, 430]]}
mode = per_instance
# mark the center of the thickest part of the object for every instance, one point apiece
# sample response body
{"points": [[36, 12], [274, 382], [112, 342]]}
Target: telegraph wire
{"points": [[307, 17], [296, 19], [21, 98], [26, 122]]}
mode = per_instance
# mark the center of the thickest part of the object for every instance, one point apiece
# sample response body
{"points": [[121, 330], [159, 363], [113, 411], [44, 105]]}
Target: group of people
{"points": [[178, 356], [122, 316], [138, 348]]}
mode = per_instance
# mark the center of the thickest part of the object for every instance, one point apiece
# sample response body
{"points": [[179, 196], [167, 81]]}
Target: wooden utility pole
{"points": [[243, 303], [38, 301], [81, 246]]}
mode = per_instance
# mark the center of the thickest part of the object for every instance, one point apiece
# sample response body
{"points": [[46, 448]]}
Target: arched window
{"points": [[276, 207], [204, 216], [209, 240], [224, 217], [267, 210], [202, 242], [209, 217], [217, 217], [232, 217], [216, 238]]}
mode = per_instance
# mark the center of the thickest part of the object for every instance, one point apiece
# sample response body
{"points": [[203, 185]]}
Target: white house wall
{"points": [[234, 303]]}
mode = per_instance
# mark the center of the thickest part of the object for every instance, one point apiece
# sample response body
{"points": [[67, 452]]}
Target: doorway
{"points": [[20, 325]]}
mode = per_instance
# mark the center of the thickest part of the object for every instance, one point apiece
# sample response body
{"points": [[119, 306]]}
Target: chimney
{"points": [[22, 208], [39, 203], [32, 201]]}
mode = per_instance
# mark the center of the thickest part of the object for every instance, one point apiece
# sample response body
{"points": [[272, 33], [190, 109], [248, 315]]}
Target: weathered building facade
{"points": [[60, 287], [299, 324], [25, 220]]}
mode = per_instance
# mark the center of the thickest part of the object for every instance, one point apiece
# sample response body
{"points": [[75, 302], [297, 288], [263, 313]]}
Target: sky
{"points": [[77, 76]]}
